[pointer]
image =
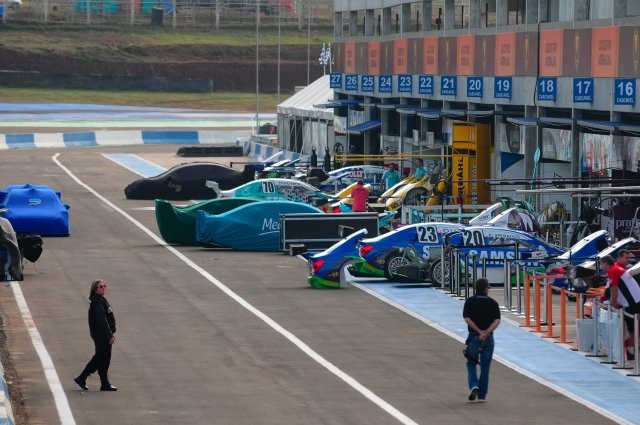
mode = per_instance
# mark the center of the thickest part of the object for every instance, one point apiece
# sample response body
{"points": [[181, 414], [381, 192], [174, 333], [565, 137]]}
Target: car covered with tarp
{"points": [[189, 181], [177, 224], [35, 208], [251, 227]]}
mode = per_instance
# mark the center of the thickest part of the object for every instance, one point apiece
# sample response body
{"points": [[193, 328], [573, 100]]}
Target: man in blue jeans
{"points": [[482, 315]]}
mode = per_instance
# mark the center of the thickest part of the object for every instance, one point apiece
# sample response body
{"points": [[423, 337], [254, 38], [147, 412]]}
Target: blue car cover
{"points": [[251, 227], [35, 209]]}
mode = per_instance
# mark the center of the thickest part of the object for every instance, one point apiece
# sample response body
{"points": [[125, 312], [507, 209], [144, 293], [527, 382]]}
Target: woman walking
{"points": [[102, 327]]}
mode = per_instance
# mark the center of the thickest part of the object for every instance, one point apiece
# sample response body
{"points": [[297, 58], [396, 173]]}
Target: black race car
{"points": [[189, 181]]}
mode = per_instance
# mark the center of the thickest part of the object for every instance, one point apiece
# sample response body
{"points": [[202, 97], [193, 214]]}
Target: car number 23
{"points": [[427, 234]]}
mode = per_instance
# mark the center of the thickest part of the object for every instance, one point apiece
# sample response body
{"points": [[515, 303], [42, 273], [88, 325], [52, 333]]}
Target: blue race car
{"points": [[36, 209], [250, 227], [326, 268], [394, 255], [494, 245]]}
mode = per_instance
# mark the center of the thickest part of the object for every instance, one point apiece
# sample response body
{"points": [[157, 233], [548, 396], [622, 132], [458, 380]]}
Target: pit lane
{"points": [[189, 353]]}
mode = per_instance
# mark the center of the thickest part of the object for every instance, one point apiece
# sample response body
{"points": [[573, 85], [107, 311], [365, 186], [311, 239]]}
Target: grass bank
{"points": [[223, 101]]}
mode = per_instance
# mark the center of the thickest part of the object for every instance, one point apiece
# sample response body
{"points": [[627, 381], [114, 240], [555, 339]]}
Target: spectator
{"points": [[390, 177], [360, 195], [420, 172], [625, 291]]}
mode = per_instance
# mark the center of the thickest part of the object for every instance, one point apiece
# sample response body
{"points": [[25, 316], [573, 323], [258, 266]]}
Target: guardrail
{"points": [[539, 301]]}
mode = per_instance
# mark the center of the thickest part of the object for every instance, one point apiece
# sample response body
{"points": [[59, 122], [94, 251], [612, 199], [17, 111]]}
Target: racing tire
{"points": [[435, 272], [416, 196], [391, 263]]}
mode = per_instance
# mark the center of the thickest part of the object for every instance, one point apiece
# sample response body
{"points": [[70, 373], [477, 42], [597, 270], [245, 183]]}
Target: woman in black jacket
{"points": [[102, 327]]}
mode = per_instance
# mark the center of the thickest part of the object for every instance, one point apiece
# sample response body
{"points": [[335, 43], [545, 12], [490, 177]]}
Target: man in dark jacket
{"points": [[482, 315], [102, 327]]}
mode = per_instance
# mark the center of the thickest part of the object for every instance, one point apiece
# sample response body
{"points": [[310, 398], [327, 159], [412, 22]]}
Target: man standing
{"points": [[482, 315], [390, 177], [360, 195], [420, 172], [625, 291]]}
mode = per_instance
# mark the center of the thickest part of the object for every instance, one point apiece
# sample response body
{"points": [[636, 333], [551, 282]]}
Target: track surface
{"points": [[188, 353]]}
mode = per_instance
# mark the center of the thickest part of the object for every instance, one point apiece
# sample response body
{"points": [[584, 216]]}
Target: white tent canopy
{"points": [[301, 103]]}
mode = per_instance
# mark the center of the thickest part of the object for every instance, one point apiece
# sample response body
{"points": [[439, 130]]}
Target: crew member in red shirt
{"points": [[360, 195]]}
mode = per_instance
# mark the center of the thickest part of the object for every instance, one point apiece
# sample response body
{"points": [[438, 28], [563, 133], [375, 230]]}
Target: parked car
{"points": [[326, 268]]}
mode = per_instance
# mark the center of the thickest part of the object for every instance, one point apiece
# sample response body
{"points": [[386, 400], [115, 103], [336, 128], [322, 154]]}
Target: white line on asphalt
{"points": [[62, 404], [563, 391], [401, 417]]}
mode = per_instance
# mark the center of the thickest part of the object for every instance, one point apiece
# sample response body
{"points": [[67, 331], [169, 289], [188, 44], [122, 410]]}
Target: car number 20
{"points": [[427, 234], [472, 237]]}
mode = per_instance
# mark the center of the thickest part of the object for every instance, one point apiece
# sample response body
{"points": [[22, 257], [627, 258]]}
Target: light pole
{"points": [[279, 42], [257, 67], [309, 42]]}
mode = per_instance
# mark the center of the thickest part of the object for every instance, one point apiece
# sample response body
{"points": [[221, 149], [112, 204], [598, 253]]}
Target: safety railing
{"points": [[542, 302]]}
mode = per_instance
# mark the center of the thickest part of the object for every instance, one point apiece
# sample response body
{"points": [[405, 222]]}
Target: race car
{"points": [[35, 209], [177, 224], [285, 169], [250, 227], [516, 218], [346, 176], [275, 190], [189, 181], [493, 246], [327, 268], [585, 273], [386, 252], [388, 255]]}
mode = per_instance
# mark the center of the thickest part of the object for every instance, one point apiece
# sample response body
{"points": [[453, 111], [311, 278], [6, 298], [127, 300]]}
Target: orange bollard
{"points": [[563, 318]]}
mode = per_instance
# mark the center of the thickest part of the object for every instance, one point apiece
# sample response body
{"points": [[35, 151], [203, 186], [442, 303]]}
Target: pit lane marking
{"points": [[349, 380]]}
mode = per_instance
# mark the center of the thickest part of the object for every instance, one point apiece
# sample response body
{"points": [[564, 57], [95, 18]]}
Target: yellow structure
{"points": [[470, 162]]}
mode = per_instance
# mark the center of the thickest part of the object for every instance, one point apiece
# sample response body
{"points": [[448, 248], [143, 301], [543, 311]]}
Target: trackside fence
{"points": [[546, 307]]}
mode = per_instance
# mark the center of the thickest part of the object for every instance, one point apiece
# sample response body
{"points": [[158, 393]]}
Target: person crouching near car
{"points": [[624, 292], [482, 315]]}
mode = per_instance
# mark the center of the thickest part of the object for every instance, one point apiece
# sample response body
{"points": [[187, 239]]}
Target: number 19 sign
{"points": [[502, 87]]}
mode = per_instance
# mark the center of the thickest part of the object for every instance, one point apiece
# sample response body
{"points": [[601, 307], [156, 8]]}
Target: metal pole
{"points": [[132, 14], [466, 276], [46, 11], [518, 289], [474, 275], [623, 350], [518, 283], [217, 14], [442, 265], [175, 14], [279, 44], [451, 269], [257, 67], [636, 365], [505, 298], [484, 268], [309, 43], [508, 284]]}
